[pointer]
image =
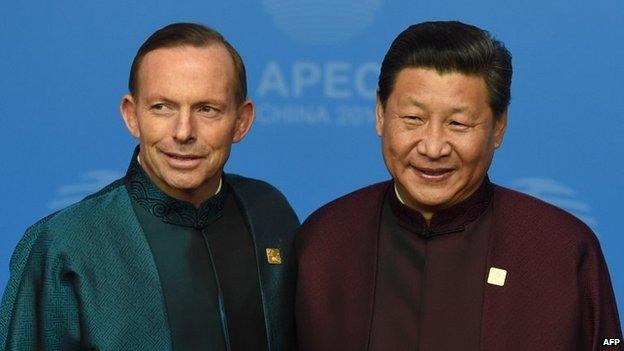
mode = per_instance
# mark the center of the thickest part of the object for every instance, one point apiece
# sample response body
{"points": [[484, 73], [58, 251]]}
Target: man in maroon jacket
{"points": [[439, 258]]}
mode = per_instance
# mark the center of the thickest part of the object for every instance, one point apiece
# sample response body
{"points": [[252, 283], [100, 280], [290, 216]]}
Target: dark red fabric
{"points": [[337, 258], [427, 276], [557, 295]]}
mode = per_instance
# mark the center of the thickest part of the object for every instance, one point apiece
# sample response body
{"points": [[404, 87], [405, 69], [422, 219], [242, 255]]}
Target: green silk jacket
{"points": [[84, 278]]}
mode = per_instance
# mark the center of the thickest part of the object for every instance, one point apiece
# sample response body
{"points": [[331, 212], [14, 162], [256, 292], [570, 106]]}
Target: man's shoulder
{"points": [[246, 184], [72, 225], [348, 222], [534, 215], [365, 201], [92, 210], [255, 193]]}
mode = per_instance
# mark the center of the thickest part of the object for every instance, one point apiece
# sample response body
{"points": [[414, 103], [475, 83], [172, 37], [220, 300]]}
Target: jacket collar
{"points": [[168, 209], [449, 220]]}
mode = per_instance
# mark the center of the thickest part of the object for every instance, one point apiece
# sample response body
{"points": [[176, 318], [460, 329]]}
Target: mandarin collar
{"points": [[168, 209], [446, 221]]}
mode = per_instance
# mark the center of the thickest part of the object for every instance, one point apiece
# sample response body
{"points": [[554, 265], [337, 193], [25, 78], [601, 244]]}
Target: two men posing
{"points": [[180, 255]]}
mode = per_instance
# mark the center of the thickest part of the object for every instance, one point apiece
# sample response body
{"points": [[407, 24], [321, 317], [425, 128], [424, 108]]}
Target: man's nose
{"points": [[433, 142], [185, 127]]}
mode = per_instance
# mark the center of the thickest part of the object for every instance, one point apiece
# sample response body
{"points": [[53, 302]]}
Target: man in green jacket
{"points": [[177, 254]]}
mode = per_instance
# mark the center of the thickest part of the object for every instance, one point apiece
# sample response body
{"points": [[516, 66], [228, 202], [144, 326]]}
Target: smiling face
{"points": [[186, 117], [438, 136]]}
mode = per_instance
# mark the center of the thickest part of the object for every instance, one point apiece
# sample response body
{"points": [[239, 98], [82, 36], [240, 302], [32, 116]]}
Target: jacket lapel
{"points": [[337, 250], [272, 224]]}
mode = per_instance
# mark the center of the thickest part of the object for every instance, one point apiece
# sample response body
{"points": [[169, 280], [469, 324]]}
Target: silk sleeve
{"points": [[40, 309], [600, 316]]}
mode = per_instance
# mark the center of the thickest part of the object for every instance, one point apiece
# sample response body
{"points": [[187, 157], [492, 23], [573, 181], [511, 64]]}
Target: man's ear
{"points": [[128, 108], [379, 117], [500, 126], [244, 119]]}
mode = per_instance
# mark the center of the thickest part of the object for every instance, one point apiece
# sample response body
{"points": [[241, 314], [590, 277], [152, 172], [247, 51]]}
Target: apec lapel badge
{"points": [[497, 276], [273, 255]]}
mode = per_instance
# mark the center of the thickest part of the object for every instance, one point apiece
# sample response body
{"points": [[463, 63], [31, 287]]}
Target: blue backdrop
{"points": [[312, 71]]}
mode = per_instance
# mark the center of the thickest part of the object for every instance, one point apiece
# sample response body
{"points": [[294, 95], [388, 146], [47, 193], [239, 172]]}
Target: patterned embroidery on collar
{"points": [[142, 190]]}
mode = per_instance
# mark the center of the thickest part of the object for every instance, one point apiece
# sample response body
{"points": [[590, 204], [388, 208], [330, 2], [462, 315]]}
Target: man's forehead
{"points": [[168, 69], [456, 106], [422, 86], [213, 52], [429, 76]]}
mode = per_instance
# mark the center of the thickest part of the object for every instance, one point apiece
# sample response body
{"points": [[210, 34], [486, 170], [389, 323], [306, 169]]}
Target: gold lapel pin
{"points": [[273, 255], [497, 276]]}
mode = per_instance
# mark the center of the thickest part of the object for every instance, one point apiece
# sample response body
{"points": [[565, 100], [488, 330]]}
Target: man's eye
{"points": [[158, 107], [458, 125], [208, 111], [413, 119]]}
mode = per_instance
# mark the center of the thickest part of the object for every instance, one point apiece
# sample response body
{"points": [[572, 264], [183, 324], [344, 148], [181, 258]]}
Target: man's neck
{"points": [[426, 214], [193, 196]]}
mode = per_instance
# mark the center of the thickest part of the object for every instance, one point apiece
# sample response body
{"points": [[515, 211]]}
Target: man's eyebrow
{"points": [[161, 98], [216, 102], [460, 109], [157, 97], [413, 101]]}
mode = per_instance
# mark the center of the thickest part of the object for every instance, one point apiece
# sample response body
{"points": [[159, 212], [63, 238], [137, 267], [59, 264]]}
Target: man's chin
{"points": [[189, 182], [184, 186], [430, 200]]}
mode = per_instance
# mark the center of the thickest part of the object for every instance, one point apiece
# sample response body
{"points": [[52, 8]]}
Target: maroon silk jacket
{"points": [[557, 294]]}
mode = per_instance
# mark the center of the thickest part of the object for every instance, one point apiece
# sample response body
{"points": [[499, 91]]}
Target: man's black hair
{"points": [[450, 46]]}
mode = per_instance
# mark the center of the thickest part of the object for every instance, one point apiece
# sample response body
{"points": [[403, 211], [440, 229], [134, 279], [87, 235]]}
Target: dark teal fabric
{"points": [[169, 210], [272, 223], [188, 277], [207, 266], [188, 283], [84, 277], [233, 253]]}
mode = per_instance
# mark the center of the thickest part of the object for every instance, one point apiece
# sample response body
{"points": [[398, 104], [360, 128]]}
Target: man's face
{"points": [[438, 136], [186, 117]]}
